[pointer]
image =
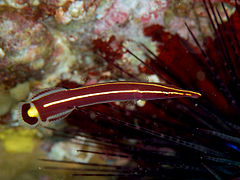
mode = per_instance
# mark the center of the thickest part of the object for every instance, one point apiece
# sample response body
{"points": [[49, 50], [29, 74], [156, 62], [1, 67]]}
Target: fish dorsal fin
{"points": [[44, 92]]}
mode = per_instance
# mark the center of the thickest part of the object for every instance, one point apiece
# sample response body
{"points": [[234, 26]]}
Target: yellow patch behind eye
{"points": [[32, 112]]}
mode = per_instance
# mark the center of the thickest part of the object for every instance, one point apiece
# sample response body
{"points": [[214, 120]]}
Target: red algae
{"points": [[173, 54], [110, 49]]}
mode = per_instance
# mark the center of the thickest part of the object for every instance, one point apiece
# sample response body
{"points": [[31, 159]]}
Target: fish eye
{"points": [[29, 114]]}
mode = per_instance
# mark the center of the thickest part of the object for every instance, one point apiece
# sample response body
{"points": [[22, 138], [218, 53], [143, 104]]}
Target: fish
{"points": [[57, 103]]}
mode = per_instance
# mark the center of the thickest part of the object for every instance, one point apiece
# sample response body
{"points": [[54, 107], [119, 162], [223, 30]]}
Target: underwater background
{"points": [[189, 44]]}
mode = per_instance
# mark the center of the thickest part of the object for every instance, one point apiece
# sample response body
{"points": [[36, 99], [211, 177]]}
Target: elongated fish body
{"points": [[57, 103]]}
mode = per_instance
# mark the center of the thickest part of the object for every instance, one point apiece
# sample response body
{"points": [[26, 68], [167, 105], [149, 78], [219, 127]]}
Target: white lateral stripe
{"points": [[110, 92]]}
